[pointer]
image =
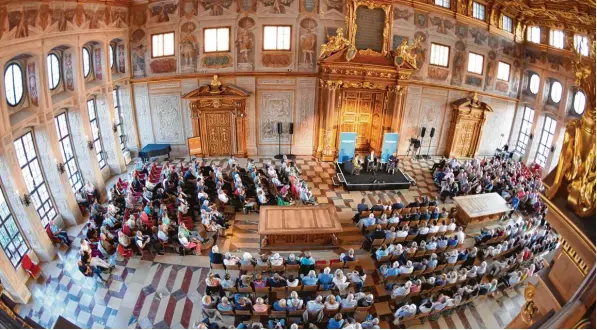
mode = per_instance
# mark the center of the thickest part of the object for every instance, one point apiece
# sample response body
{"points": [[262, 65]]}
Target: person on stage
{"points": [[392, 163], [371, 161], [356, 165]]}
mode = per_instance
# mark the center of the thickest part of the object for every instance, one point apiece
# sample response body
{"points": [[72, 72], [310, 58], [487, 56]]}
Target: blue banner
{"points": [[390, 146], [348, 143]]}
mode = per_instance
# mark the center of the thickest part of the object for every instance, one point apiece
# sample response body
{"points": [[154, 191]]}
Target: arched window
{"points": [[53, 65], [534, 83], [556, 92], [578, 104], [13, 84], [86, 62], [111, 56]]}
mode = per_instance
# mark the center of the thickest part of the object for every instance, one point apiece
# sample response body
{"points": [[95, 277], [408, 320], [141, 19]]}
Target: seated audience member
{"points": [[59, 233]]}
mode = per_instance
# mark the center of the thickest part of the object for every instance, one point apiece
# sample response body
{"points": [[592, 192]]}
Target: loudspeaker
{"points": [[279, 128], [432, 133], [423, 130], [291, 129]]}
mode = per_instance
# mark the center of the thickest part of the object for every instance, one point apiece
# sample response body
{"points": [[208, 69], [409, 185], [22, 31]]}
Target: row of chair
{"points": [[362, 311], [403, 211], [319, 265], [408, 239], [419, 253]]}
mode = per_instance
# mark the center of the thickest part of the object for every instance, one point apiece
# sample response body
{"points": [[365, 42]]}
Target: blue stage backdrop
{"points": [[348, 143], [390, 146]]}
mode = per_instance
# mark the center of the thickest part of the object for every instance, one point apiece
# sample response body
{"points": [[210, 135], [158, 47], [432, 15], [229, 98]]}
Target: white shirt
{"points": [[223, 198], [452, 226], [460, 235], [424, 231]]}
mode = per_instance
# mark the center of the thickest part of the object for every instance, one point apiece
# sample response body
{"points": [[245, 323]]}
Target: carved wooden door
{"points": [[218, 133], [362, 112]]}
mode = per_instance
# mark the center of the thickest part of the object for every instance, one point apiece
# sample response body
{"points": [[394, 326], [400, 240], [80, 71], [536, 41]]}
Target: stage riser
{"points": [[376, 186]]}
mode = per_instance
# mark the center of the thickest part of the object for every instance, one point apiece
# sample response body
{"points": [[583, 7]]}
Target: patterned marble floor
{"points": [[165, 291]]}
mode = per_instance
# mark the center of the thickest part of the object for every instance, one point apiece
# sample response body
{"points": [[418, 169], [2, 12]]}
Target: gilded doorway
{"points": [[362, 112], [218, 128]]}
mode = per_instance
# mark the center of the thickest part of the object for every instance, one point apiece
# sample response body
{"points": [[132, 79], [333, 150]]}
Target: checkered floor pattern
{"points": [[165, 291]]}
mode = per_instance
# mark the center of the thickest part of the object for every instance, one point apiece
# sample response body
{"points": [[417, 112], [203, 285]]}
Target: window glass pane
{"points": [[86, 65], [534, 83], [439, 55], [270, 37], [478, 11], [284, 37], [111, 56], [95, 133], [545, 143], [157, 48], [556, 92], [525, 130], [169, 44], [53, 67], [507, 23], [581, 44], [64, 139], [556, 38], [11, 237], [210, 40], [475, 63], [33, 177], [443, 3], [579, 102], [13, 84], [534, 34], [503, 71], [223, 39]]}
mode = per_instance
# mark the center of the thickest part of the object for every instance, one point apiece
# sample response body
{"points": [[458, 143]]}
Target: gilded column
{"points": [[324, 95], [330, 133], [393, 117]]}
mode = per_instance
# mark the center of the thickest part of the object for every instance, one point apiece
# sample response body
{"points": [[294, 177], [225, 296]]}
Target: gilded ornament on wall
{"points": [[277, 6]]}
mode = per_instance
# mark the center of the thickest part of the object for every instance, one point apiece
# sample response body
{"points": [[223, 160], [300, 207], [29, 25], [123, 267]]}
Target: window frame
{"points": [[479, 5], [119, 116], [482, 63], [75, 178], [431, 52], [18, 65], [530, 34], [229, 39], [544, 148], [276, 50], [43, 183], [51, 74], [97, 142], [551, 39], [19, 233], [173, 46], [529, 88], [498, 71], [441, 3], [574, 96], [83, 50], [522, 142], [511, 29]]}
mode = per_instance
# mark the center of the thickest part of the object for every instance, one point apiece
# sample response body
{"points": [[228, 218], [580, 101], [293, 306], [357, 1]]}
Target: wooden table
{"points": [[298, 227], [477, 211]]}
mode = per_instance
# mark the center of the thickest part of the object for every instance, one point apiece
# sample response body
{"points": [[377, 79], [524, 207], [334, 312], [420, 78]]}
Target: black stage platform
{"points": [[365, 180]]}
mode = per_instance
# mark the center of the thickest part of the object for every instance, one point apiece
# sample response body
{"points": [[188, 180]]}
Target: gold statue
{"points": [[335, 43], [406, 52], [576, 166], [215, 86], [529, 309]]}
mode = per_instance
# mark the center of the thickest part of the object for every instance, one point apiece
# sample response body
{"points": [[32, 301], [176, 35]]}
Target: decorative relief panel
{"points": [[305, 114], [274, 107], [186, 87], [432, 113], [166, 117], [143, 113], [108, 138]]}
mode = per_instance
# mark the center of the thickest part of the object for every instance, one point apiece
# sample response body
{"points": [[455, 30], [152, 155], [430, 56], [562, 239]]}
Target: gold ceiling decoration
{"points": [[554, 13]]}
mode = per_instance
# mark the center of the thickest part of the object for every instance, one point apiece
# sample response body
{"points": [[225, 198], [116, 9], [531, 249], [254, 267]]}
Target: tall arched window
{"points": [[555, 93], [111, 56], [53, 64], [534, 83], [13, 84], [86, 62], [578, 104]]}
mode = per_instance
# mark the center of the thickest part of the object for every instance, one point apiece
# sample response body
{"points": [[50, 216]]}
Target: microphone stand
{"points": [[279, 155]]}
